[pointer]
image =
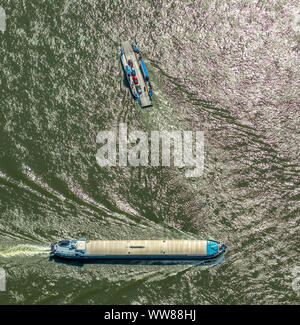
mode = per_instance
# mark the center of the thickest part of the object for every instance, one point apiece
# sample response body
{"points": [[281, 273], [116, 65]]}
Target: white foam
{"points": [[27, 250]]}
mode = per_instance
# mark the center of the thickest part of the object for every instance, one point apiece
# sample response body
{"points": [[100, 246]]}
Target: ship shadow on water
{"points": [[80, 263], [125, 82]]}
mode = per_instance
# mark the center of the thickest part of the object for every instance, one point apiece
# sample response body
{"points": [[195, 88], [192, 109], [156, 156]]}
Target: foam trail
{"points": [[26, 250]]}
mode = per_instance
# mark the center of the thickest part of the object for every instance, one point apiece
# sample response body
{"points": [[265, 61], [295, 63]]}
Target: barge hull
{"points": [[138, 249]]}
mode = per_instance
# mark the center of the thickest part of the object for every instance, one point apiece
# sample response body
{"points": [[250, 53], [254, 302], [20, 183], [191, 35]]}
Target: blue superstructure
{"points": [[212, 247], [144, 70], [134, 48]]}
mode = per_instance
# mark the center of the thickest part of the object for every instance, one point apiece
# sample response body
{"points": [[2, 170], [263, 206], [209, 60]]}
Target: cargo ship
{"points": [[136, 73], [83, 249]]}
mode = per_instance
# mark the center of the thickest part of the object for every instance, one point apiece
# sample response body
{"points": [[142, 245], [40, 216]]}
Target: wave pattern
{"points": [[228, 68]]}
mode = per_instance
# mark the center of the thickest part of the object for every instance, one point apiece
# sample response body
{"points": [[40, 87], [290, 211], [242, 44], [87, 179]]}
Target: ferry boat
{"points": [[136, 73], [83, 249]]}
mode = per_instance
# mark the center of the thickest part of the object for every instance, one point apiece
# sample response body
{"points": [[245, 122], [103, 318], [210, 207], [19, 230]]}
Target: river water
{"points": [[229, 68]]}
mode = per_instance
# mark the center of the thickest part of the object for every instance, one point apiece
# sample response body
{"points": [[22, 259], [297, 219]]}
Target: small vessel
{"points": [[136, 73], [138, 249]]}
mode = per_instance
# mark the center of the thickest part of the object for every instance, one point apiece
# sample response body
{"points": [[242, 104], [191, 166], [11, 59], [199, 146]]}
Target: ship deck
{"points": [[130, 55], [146, 247]]}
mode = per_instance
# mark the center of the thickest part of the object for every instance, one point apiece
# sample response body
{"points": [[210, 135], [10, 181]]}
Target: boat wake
{"points": [[26, 250]]}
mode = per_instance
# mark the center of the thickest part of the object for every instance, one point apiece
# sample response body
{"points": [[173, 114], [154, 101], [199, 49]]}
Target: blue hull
{"points": [[142, 257]]}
